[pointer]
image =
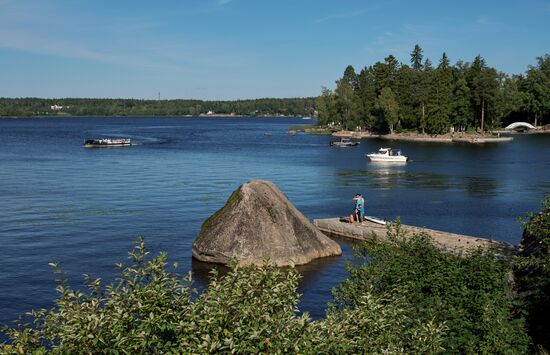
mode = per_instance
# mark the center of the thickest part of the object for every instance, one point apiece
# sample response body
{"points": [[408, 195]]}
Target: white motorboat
{"points": [[344, 142], [388, 155]]}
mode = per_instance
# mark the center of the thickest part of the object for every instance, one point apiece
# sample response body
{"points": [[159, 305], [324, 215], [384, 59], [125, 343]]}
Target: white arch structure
{"points": [[520, 124]]}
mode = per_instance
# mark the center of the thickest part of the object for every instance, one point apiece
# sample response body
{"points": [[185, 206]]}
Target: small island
{"points": [[468, 102]]}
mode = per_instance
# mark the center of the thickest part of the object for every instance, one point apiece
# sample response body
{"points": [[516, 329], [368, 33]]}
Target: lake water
{"points": [[85, 207]]}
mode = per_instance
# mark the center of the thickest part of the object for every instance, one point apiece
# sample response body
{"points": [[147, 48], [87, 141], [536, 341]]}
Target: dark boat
{"points": [[107, 142], [344, 142]]}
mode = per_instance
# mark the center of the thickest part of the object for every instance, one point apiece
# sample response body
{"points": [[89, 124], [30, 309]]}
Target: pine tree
{"points": [[407, 97], [386, 73], [418, 87], [439, 101], [347, 104], [416, 58], [350, 77], [461, 111], [538, 88], [387, 103], [423, 90], [483, 85], [366, 94]]}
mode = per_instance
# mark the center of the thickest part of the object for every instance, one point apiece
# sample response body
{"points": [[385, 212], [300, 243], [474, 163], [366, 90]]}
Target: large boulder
{"points": [[258, 224]]}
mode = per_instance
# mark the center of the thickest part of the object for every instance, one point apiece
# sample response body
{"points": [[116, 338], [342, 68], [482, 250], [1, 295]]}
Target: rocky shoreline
{"points": [[448, 138]]}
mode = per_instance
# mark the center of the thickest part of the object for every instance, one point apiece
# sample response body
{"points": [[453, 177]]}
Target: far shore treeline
{"points": [[134, 107], [436, 99]]}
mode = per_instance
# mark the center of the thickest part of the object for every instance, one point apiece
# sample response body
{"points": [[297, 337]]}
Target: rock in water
{"points": [[259, 223]]}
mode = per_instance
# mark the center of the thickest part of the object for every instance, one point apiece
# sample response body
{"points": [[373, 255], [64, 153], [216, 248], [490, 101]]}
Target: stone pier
{"points": [[452, 242]]}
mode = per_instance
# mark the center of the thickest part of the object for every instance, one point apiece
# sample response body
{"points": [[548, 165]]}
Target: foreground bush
{"points": [[152, 310], [532, 275], [249, 310], [405, 296], [468, 294]]}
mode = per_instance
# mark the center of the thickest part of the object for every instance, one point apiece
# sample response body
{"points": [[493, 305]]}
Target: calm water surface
{"points": [[85, 207]]}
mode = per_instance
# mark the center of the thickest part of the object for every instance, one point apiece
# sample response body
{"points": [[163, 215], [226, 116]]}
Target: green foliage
{"points": [[152, 310], [389, 107], [532, 275], [538, 226], [466, 95], [416, 58], [346, 104], [483, 84], [366, 95], [326, 108], [439, 99], [461, 110], [468, 294], [248, 310], [537, 86], [375, 326]]}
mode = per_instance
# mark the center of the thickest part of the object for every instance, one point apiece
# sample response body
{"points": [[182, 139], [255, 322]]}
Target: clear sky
{"points": [[231, 49]]}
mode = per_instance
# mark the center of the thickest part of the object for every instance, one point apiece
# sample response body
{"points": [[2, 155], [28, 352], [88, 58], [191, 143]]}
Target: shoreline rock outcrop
{"points": [[259, 224]]}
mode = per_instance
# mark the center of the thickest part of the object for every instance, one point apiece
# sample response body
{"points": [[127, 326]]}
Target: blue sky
{"points": [[231, 49]]}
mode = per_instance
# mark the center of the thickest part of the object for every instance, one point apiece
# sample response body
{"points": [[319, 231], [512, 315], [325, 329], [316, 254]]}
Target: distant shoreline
{"points": [[142, 116]]}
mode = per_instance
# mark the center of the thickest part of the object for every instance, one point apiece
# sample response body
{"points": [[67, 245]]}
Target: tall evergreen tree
{"points": [[423, 91], [483, 85], [439, 101], [538, 86], [416, 58], [386, 73], [347, 104], [406, 97], [387, 103], [367, 97], [461, 111], [350, 77], [418, 87]]}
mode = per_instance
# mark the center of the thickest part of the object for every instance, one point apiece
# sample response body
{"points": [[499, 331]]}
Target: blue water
{"points": [[85, 207]]}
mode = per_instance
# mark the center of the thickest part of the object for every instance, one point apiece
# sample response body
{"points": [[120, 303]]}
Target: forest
{"points": [[135, 107], [391, 96]]}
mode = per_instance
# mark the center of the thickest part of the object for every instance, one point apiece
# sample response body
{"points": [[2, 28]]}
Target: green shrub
{"points": [[532, 275], [151, 310], [469, 294], [248, 310], [537, 227]]}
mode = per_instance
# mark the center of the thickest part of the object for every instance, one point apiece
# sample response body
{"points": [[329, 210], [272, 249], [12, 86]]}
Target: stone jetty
{"points": [[452, 242], [259, 224]]}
